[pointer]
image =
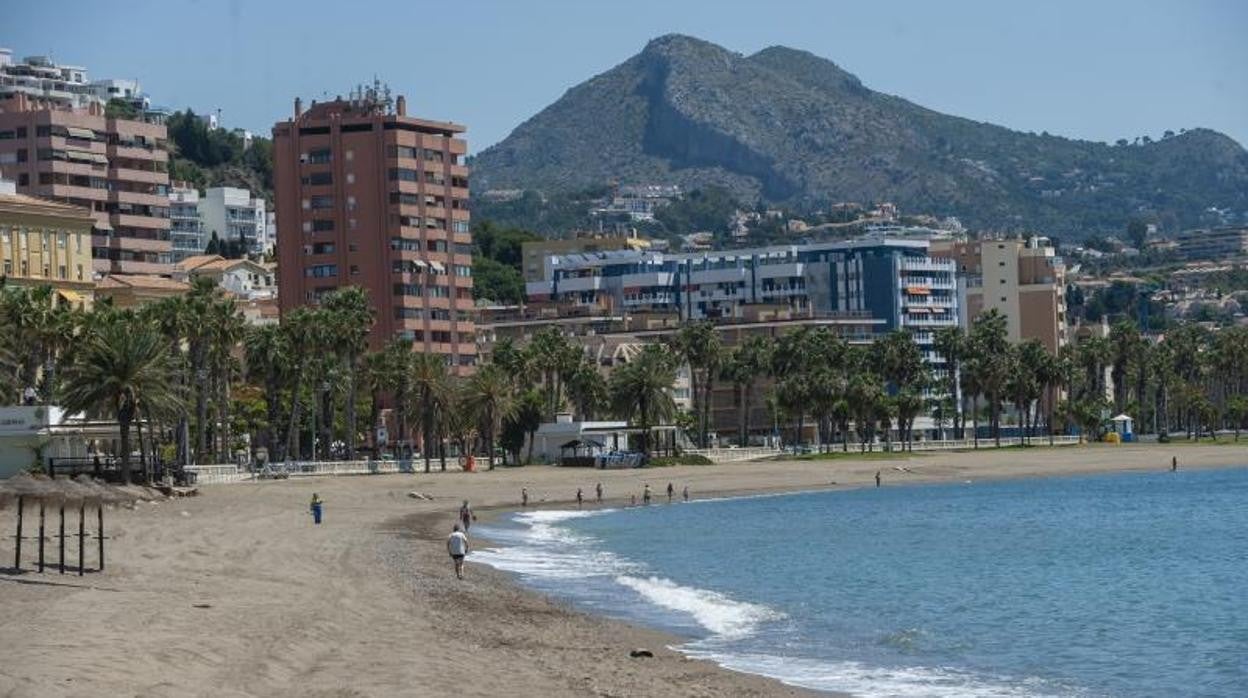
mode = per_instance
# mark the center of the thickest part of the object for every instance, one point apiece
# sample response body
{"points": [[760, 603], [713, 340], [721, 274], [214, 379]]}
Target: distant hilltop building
{"points": [[638, 201], [39, 77], [1215, 243]]}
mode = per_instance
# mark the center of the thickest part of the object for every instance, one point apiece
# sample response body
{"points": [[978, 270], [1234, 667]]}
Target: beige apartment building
{"points": [[1024, 280], [535, 254], [46, 243], [115, 168]]}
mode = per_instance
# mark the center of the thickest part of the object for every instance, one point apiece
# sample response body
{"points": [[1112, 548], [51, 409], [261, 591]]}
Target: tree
{"points": [[489, 395], [587, 389], [267, 355], [1125, 342], [1237, 413], [745, 364], [951, 344], [989, 339], [641, 389], [700, 347], [117, 108], [428, 382], [523, 422], [1137, 233], [123, 367], [351, 318]]}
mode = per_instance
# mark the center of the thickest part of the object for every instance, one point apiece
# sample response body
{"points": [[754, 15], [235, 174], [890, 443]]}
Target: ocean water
{"points": [[1112, 585]]}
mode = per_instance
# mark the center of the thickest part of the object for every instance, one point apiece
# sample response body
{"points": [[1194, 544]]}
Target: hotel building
{"points": [[115, 168], [369, 196], [233, 214]]}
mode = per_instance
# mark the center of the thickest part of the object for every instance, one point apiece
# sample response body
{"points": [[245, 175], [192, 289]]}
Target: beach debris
{"points": [[201, 605], [640, 652], [420, 495]]}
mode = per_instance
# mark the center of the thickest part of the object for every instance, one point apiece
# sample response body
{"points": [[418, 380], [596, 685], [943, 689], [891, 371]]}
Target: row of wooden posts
{"points": [[42, 537], [81, 492]]}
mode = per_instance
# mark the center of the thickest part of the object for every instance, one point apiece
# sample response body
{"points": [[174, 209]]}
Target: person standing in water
{"points": [[670, 491], [877, 478], [685, 493], [457, 546], [316, 508], [466, 517], [524, 496], [599, 490], [1174, 464], [580, 498], [645, 494]]}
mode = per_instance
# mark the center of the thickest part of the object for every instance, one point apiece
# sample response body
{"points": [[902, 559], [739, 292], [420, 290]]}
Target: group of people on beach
{"points": [[646, 495]]}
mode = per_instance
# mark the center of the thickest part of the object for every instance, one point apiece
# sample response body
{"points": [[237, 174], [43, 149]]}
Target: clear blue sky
{"points": [[1085, 69]]}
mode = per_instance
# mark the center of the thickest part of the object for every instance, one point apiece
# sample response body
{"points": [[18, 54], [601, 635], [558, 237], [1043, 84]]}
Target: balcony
{"points": [[137, 244], [926, 264], [137, 153], [581, 283], [129, 220], [138, 198], [127, 174]]}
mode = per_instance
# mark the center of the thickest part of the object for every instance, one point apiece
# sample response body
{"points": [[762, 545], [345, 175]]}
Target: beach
{"points": [[236, 593]]}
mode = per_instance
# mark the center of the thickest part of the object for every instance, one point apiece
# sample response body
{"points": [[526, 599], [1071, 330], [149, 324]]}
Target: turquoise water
{"points": [[1115, 585]]}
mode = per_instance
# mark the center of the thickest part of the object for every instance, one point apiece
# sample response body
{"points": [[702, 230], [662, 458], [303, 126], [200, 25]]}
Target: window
{"points": [[356, 128], [43, 131], [355, 270], [463, 270], [8, 267], [319, 248], [402, 151], [314, 131], [319, 178], [61, 239], [320, 225], [22, 155], [404, 199], [350, 178], [322, 202], [321, 156], [80, 272], [62, 273], [321, 271], [402, 174], [21, 131], [352, 247], [23, 180]]}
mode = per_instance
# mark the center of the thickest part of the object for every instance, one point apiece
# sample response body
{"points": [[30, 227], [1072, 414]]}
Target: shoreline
{"points": [[236, 589]]}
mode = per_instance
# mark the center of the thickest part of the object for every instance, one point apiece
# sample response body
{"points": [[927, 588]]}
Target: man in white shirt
{"points": [[457, 546]]}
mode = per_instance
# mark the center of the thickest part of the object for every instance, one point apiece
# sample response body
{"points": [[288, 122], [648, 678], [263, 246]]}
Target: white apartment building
{"points": [[185, 229], [40, 77], [233, 214]]}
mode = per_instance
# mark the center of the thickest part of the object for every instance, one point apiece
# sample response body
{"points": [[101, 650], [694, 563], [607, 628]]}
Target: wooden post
{"points": [[41, 519], [62, 537], [82, 536], [100, 531], [17, 549]]}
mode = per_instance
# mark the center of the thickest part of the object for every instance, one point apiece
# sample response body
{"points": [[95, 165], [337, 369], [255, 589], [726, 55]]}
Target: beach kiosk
{"points": [[1124, 427]]}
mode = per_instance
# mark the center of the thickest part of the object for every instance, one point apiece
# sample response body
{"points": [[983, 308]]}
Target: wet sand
{"points": [[236, 593]]}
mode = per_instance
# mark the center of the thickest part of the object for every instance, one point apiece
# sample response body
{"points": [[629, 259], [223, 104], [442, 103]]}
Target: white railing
{"points": [[218, 474], [955, 444]]}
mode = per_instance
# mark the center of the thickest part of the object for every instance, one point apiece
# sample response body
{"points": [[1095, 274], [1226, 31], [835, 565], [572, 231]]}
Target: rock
{"points": [[641, 652]]}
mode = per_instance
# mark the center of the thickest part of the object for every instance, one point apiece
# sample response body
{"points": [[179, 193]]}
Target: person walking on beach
{"points": [[685, 493], [580, 498], [524, 496], [670, 491], [632, 502], [599, 490], [457, 546], [1174, 464], [466, 517], [316, 508], [877, 478], [645, 494]]}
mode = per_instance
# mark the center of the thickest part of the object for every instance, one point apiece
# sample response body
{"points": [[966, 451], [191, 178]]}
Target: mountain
{"points": [[788, 127]]}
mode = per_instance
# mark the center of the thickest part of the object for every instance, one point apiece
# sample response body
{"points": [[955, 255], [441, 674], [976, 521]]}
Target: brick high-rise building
{"points": [[115, 168], [368, 196]]}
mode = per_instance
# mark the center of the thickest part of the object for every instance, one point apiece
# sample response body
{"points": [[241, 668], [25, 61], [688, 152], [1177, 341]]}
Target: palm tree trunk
{"points": [[352, 388], [975, 419], [292, 429], [123, 424]]}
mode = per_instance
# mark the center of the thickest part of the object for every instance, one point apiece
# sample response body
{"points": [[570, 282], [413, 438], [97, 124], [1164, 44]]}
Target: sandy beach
{"points": [[236, 593]]}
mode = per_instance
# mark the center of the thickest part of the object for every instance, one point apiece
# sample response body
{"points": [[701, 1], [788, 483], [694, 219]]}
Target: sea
{"points": [[1109, 585]]}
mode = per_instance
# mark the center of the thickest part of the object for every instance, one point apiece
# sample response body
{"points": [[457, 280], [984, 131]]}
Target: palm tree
{"points": [[951, 343], [267, 354], [550, 353], [428, 383], [900, 362], [989, 339], [641, 389], [352, 319], [298, 329], [490, 396], [587, 389], [1124, 340], [123, 367], [700, 347], [747, 362]]}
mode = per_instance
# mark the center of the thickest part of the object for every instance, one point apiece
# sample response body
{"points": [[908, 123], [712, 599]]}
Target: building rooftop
{"points": [[139, 281], [21, 203]]}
